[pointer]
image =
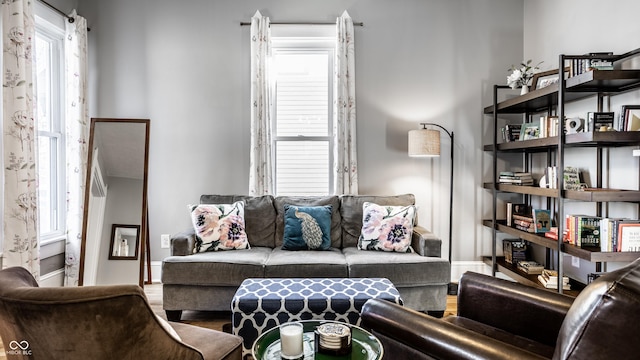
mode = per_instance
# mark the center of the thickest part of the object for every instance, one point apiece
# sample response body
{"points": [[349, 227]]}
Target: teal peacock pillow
{"points": [[219, 227], [386, 228], [307, 227]]}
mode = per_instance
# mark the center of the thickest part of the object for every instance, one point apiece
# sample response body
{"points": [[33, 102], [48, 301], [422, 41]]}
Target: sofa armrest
{"points": [[402, 327], [519, 309], [425, 243], [182, 244]]}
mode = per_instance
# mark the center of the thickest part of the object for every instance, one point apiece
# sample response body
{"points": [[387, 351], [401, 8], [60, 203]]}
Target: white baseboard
{"points": [[52, 279], [156, 271], [460, 267]]}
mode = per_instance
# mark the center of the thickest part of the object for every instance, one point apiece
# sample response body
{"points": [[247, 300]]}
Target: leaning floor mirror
{"points": [[114, 232]]}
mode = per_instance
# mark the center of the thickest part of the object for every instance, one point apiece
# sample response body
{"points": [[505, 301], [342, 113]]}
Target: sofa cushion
{"points": [[219, 227], [259, 215], [306, 263], [334, 201], [307, 227], [351, 213], [403, 269], [220, 268], [386, 228]]}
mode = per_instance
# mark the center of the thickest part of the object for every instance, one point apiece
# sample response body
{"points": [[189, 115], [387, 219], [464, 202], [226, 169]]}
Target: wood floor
{"points": [[214, 319]]}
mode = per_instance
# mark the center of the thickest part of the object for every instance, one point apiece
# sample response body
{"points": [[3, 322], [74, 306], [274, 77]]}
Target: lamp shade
{"points": [[424, 143]]}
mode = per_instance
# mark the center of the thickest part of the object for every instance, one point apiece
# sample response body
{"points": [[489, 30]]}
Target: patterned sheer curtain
{"points": [[345, 151], [260, 167], [20, 231], [77, 136]]}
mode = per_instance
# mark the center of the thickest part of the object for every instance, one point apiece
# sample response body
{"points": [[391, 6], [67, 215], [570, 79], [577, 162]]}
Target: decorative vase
{"points": [[524, 89]]}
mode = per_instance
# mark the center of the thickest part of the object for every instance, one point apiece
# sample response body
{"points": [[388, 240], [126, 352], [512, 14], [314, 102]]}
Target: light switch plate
{"points": [[165, 241], [636, 152], [575, 262]]}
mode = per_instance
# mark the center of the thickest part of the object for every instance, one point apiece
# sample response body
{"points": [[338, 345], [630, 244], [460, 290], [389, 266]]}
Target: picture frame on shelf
{"points": [[530, 131], [545, 78], [630, 118]]}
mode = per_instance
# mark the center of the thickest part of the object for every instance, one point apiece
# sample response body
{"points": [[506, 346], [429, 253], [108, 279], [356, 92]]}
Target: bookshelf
{"points": [[552, 100]]}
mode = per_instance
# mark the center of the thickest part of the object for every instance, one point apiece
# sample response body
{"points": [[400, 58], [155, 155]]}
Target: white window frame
{"points": [[51, 28], [305, 45]]}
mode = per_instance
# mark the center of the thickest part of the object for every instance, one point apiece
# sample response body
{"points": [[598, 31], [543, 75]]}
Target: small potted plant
{"points": [[521, 75]]}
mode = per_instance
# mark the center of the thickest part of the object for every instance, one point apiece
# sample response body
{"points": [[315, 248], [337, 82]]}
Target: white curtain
{"points": [[20, 211], [260, 167], [77, 138], [346, 164]]}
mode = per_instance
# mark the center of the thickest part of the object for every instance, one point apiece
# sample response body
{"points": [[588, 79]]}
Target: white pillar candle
{"points": [[291, 340]]}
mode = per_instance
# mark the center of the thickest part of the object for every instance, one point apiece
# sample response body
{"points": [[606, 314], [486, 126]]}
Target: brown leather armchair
{"points": [[499, 319], [97, 322]]}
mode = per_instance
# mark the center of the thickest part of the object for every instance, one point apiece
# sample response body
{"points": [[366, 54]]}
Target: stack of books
{"points": [[516, 178], [549, 279], [530, 267]]}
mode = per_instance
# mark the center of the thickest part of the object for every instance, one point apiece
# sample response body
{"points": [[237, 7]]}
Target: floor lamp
{"points": [[426, 143]]}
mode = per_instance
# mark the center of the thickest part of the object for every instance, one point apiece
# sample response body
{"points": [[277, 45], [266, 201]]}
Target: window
{"points": [[302, 77], [50, 126]]}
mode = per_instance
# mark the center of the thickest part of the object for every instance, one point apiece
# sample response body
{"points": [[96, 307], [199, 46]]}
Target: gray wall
{"points": [[185, 66], [124, 206]]}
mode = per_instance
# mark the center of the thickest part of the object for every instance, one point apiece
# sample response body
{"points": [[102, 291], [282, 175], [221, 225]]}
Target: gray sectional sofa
{"points": [[207, 281]]}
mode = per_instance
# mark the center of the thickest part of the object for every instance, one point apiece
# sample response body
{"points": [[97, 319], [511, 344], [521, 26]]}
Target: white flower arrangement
{"points": [[520, 76]]}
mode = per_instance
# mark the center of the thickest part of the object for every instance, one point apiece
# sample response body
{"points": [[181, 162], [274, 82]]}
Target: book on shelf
{"points": [[583, 230], [629, 236], [571, 178], [530, 267], [552, 233], [542, 220], [516, 209], [629, 119], [608, 227], [514, 250], [548, 126], [600, 121], [511, 132]]}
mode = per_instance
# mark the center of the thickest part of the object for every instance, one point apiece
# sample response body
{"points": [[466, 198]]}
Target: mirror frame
{"points": [[143, 249], [112, 244]]}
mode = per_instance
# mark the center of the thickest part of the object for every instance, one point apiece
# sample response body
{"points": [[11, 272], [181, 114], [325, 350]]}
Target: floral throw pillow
{"points": [[219, 227], [386, 228]]}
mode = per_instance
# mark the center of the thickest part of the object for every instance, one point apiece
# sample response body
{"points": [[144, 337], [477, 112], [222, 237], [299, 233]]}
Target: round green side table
{"points": [[365, 345]]}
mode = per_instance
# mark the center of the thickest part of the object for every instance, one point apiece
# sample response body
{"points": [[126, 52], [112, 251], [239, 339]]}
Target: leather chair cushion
{"points": [[501, 335]]}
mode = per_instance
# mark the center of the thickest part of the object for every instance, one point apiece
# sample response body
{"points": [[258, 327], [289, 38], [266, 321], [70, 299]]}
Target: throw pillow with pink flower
{"points": [[386, 228], [219, 227]]}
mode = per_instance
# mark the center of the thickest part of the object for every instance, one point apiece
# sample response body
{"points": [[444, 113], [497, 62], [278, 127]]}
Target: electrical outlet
{"points": [[575, 262], [636, 152], [165, 241]]}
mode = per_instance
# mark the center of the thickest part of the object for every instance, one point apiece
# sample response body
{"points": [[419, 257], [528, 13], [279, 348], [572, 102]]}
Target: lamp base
{"points": [[453, 289]]}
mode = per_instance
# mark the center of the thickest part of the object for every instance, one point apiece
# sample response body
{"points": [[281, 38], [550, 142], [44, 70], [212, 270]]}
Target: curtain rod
{"points": [[302, 23], [69, 18]]}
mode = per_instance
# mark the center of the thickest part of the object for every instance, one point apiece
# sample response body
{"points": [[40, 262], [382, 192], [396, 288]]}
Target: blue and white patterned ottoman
{"points": [[261, 304]]}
